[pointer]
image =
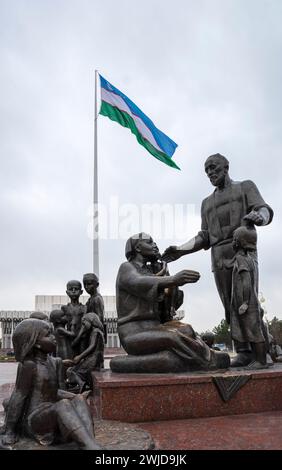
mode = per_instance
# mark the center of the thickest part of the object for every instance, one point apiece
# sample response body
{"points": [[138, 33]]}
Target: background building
{"points": [[9, 320], [47, 303]]}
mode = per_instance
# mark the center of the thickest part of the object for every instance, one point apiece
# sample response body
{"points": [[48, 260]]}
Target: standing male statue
{"points": [[231, 204]]}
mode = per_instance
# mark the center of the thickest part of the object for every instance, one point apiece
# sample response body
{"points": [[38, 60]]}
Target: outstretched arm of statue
{"points": [[258, 217], [258, 212], [172, 253], [186, 276], [147, 286], [89, 350], [78, 338], [63, 332]]}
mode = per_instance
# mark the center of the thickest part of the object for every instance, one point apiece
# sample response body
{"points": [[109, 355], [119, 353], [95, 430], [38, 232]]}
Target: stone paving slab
{"points": [[260, 431], [8, 372]]}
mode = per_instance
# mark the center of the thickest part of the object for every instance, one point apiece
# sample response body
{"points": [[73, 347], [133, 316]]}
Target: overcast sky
{"points": [[207, 72]]}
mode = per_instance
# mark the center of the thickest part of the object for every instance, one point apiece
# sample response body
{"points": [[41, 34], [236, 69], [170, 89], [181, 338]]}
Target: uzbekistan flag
{"points": [[121, 109]]}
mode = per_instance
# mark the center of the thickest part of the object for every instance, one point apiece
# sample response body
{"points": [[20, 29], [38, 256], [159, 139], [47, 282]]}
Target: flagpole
{"points": [[95, 187]]}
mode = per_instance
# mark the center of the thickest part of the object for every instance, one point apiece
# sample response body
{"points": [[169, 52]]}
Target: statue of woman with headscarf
{"points": [[153, 340], [39, 406]]}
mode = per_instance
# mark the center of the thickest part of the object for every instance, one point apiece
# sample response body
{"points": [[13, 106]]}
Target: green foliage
{"points": [[4, 358], [275, 329], [222, 333]]}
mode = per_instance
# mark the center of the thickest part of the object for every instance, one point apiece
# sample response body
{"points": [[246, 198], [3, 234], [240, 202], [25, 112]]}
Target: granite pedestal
{"points": [[139, 398]]}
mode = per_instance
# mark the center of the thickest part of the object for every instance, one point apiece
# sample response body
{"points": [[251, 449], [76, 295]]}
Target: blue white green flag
{"points": [[118, 107]]}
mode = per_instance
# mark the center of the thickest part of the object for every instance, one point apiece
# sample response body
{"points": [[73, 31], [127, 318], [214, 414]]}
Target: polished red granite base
{"points": [[262, 431], [155, 397]]}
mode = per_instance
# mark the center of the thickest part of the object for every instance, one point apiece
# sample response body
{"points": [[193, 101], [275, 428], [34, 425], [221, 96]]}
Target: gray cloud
{"points": [[207, 72]]}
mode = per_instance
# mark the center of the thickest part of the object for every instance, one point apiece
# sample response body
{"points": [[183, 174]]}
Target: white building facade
{"points": [[9, 319], [47, 303]]}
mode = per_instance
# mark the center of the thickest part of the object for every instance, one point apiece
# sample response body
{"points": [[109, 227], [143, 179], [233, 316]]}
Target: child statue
{"points": [[59, 320], [95, 302], [246, 319], [93, 356], [73, 312], [39, 316], [39, 406], [172, 297]]}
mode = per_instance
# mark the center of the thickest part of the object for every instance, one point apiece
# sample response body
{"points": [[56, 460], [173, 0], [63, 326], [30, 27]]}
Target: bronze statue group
{"points": [[56, 357]]}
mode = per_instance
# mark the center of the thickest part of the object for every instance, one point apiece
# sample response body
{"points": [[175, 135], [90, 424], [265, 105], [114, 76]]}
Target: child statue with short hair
{"points": [[39, 316], [73, 311], [64, 348], [39, 406], [246, 319], [95, 302]]}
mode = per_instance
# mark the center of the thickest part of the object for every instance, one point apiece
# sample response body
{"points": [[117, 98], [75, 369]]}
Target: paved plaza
{"points": [[8, 372]]}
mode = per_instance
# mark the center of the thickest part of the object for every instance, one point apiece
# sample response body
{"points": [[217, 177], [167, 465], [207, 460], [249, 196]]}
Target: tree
{"points": [[275, 329], [222, 333]]}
